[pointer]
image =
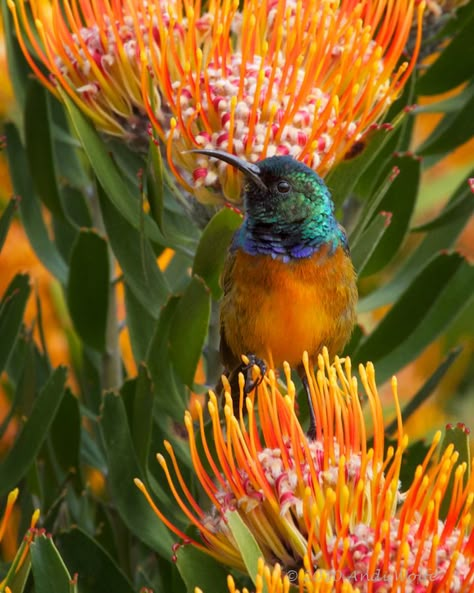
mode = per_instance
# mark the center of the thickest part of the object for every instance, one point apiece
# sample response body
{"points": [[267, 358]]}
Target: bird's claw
{"points": [[252, 361]]}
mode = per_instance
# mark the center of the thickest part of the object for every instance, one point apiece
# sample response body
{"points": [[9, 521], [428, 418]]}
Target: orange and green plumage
{"points": [[289, 283]]}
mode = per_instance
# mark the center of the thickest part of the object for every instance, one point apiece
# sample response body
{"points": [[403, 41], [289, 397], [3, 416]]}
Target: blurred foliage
{"points": [[74, 437]]}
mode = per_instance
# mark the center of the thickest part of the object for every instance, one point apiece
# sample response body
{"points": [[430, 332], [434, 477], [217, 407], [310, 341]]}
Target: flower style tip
{"points": [[333, 505], [279, 77]]}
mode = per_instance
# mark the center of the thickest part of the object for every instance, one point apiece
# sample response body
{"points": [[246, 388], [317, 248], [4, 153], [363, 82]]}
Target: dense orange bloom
{"points": [[332, 504], [280, 77], [276, 77]]}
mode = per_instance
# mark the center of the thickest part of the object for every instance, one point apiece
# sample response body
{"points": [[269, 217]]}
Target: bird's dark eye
{"points": [[283, 187]]}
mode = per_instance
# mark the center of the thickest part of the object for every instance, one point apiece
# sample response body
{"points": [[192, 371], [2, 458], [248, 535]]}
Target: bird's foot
{"points": [[253, 380]]}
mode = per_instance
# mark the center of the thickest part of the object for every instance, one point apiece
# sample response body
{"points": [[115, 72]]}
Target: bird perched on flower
{"points": [[289, 283]]}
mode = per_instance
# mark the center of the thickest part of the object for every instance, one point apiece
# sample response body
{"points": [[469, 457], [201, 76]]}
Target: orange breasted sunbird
{"points": [[289, 283]]}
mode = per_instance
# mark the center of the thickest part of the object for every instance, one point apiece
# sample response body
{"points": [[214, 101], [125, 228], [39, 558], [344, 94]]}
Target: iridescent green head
{"points": [[289, 212]]}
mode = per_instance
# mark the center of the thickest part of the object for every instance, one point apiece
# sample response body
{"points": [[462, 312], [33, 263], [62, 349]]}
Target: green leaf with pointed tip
{"points": [[6, 219], [141, 325], [457, 211], [97, 571], [50, 574], [212, 248], [198, 569], [432, 302], [370, 238], [246, 543], [453, 130], [342, 179], [12, 309], [155, 184], [39, 148], [439, 239], [136, 258], [88, 288], [30, 207], [35, 431], [66, 436], [189, 329], [400, 200], [455, 64], [142, 416], [108, 174], [123, 467], [457, 436], [415, 401], [168, 387], [18, 69]]}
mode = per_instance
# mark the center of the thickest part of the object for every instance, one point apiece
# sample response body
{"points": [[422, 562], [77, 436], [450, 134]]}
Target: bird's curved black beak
{"points": [[250, 170]]}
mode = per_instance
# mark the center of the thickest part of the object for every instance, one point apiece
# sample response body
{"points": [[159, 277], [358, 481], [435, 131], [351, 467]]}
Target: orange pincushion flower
{"points": [[280, 77], [333, 504], [276, 77]]}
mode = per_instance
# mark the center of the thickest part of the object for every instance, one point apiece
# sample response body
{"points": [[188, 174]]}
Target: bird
{"points": [[289, 284]]}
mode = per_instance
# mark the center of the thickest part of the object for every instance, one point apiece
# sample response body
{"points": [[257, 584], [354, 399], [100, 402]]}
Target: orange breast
{"points": [[277, 310]]}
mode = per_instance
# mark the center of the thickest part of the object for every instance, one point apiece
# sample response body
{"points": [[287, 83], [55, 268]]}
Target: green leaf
{"points": [[49, 571], [36, 429], [370, 238], [97, 571], [343, 179], [189, 329], [88, 288], [400, 200], [12, 309], [6, 219], [458, 210], [154, 183], [453, 130], [39, 148], [459, 437], [246, 543], [425, 391], [136, 258], [435, 298], [441, 238], [198, 569], [123, 467], [142, 416], [30, 207], [66, 436], [168, 388], [18, 69], [372, 206], [212, 248], [108, 174], [141, 325], [454, 65]]}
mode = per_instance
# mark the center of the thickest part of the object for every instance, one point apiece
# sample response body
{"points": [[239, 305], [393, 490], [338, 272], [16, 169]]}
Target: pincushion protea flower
{"points": [[91, 50], [278, 77], [333, 504], [281, 77]]}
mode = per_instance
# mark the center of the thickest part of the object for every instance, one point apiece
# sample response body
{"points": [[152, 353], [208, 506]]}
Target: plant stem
{"points": [[111, 367]]}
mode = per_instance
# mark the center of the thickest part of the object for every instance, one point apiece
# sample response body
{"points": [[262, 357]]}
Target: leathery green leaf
{"points": [[246, 543], [50, 574], [123, 467], [34, 432], [189, 329], [12, 309], [212, 248], [88, 288], [198, 569]]}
